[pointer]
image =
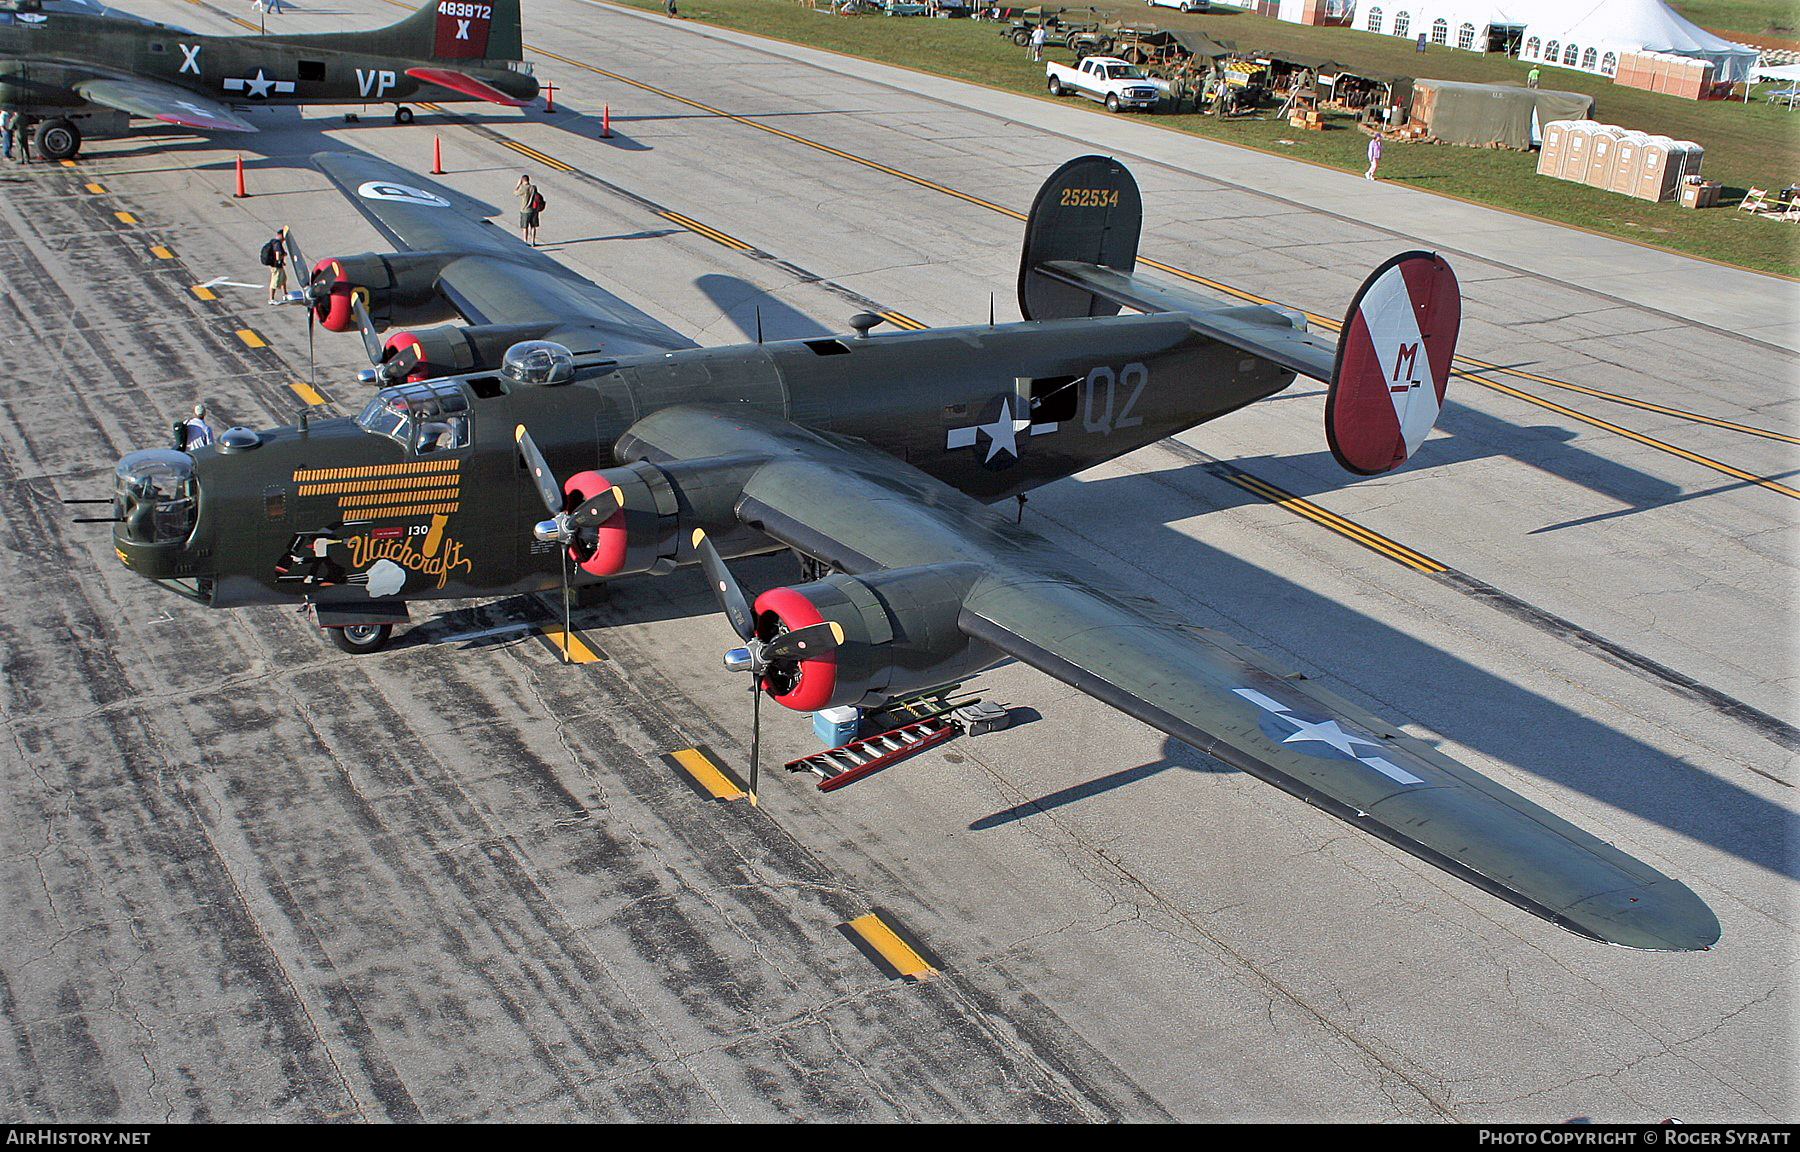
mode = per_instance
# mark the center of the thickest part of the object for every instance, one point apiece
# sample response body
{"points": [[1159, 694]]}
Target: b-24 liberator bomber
{"points": [[877, 459], [80, 69]]}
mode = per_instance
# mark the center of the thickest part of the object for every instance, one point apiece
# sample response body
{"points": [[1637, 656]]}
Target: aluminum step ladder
{"points": [[836, 767]]}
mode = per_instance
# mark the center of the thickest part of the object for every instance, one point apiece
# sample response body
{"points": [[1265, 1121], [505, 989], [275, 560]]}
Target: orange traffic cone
{"points": [[240, 193]]}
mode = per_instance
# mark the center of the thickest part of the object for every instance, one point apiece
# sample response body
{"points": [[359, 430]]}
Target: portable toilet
{"points": [[1628, 163], [1663, 166], [1691, 155], [1576, 146], [1602, 147], [1554, 149]]}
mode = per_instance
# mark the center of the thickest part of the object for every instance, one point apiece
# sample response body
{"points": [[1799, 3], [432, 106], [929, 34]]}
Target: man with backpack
{"points": [[531, 202], [274, 257]]}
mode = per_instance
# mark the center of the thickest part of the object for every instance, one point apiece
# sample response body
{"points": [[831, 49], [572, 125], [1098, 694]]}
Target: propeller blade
{"points": [[598, 510], [568, 625], [366, 326], [301, 269], [807, 643], [540, 471], [755, 733], [731, 597]]}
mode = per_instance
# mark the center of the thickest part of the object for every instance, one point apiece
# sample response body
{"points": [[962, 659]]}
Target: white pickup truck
{"points": [[1108, 79]]}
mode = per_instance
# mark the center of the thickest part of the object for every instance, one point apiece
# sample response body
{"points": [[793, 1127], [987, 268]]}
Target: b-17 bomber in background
{"points": [[82, 69], [877, 458]]}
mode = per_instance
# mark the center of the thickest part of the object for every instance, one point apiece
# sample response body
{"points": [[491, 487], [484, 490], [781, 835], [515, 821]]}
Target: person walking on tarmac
{"points": [[531, 202], [274, 257]]}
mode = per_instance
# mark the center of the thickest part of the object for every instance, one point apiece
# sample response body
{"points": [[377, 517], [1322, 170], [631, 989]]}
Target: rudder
{"points": [[1393, 363], [1089, 211]]}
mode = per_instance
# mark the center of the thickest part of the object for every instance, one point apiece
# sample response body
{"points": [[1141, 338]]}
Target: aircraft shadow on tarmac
{"points": [[747, 306], [1505, 721], [1467, 434]]}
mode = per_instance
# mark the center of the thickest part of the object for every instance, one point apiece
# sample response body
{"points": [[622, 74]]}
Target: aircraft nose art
{"points": [[1393, 363]]}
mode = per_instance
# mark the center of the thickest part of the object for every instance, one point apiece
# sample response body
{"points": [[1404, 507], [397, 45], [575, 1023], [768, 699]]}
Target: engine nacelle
{"points": [[396, 287], [662, 506], [452, 350], [900, 636]]}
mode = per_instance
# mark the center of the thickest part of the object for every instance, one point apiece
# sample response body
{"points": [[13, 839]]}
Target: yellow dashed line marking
{"points": [[706, 774], [896, 954], [96, 189], [125, 217], [203, 292], [304, 391], [250, 338], [161, 253], [571, 645], [68, 163]]}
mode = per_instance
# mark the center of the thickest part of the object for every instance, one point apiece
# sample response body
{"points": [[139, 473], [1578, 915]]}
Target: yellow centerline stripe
{"points": [[887, 943], [203, 292], [712, 234], [306, 393], [96, 189], [706, 774], [250, 338], [161, 253], [1328, 519], [533, 153]]}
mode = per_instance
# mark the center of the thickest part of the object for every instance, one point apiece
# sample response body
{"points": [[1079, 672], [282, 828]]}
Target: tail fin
{"points": [[1393, 362], [1088, 211], [454, 30]]}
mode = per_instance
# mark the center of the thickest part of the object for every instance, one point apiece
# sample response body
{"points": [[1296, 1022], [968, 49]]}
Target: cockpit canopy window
{"points": [[430, 416], [153, 496]]}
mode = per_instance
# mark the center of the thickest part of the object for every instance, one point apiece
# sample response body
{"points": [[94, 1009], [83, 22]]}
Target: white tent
{"points": [[1590, 36]]}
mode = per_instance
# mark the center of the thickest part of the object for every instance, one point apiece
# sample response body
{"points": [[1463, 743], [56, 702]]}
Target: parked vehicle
{"points": [[1184, 5], [1105, 79]]}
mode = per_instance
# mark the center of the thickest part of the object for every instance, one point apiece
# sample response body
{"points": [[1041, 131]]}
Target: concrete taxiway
{"points": [[245, 877]]}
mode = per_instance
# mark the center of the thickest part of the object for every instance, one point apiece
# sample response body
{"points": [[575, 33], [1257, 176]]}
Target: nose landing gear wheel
{"points": [[403, 115], [358, 639]]}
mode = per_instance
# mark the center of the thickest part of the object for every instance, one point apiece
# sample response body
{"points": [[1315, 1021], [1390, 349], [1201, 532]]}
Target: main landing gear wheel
{"points": [[358, 639], [403, 115], [58, 139]]}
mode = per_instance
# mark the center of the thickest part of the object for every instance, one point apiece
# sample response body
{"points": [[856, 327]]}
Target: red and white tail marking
{"points": [[1393, 363]]}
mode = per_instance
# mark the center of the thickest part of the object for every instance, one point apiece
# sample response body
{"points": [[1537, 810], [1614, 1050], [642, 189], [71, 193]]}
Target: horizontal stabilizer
{"points": [[1260, 331], [465, 85]]}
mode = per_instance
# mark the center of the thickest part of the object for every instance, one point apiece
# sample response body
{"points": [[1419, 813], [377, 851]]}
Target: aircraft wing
{"points": [[154, 100], [497, 278], [865, 512]]}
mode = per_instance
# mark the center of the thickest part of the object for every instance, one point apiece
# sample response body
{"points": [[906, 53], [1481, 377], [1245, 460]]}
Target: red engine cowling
{"points": [[900, 636], [449, 350], [397, 288], [661, 506]]}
